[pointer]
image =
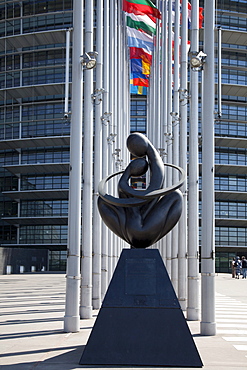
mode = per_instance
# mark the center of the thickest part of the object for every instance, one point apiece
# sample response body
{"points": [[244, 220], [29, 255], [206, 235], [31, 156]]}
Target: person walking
{"points": [[237, 267], [244, 267], [232, 267]]}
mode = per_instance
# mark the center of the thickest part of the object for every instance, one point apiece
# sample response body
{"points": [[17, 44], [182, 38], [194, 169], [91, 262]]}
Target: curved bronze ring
{"points": [[141, 199]]}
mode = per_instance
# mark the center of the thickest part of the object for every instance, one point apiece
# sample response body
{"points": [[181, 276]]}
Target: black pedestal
{"points": [[141, 322]]}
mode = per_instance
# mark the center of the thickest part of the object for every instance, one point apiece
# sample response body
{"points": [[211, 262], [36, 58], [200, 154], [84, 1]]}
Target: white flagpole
{"points": [[72, 317], [157, 93], [169, 126], [105, 125], [182, 249], [120, 99], [156, 123], [219, 72], [86, 264], [193, 210], [97, 223], [112, 132], [66, 93], [175, 122], [208, 325], [163, 126], [125, 92], [126, 101], [151, 101], [117, 122]]}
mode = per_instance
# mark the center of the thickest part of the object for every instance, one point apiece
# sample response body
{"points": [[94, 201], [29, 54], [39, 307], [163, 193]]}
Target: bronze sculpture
{"points": [[140, 322], [142, 217]]}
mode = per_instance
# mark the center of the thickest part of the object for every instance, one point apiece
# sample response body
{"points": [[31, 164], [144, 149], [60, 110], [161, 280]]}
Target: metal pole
{"points": [[151, 101], [116, 120], [120, 84], [219, 72], [72, 318], [208, 325], [126, 110], [66, 94], [157, 122], [112, 128], [97, 160], [182, 249], [110, 189], [175, 121], [124, 93], [193, 212], [87, 206], [105, 124], [169, 126], [164, 56], [163, 126]]}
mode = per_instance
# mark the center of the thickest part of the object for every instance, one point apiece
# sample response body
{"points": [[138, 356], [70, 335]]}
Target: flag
{"points": [[139, 39], [189, 15], [201, 17], [146, 68], [138, 90], [141, 22], [138, 65], [139, 79], [141, 18], [141, 7], [138, 53]]}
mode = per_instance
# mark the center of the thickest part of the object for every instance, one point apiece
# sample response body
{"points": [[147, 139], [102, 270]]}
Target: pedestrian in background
{"points": [[237, 267], [244, 267], [233, 268]]}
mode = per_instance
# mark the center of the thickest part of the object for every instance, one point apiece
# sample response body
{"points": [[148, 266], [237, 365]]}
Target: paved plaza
{"points": [[32, 337]]}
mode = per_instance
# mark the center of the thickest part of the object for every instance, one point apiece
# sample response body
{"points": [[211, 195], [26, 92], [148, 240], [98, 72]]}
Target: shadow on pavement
{"points": [[65, 361]]}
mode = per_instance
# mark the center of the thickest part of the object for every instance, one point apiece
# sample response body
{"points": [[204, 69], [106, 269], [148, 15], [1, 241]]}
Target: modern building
{"points": [[231, 133], [35, 134]]}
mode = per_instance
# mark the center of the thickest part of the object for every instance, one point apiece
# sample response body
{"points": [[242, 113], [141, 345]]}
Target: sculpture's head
{"points": [[138, 167], [137, 144]]}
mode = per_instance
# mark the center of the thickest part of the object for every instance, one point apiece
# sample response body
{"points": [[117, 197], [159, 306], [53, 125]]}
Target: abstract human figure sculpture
{"points": [[142, 217]]}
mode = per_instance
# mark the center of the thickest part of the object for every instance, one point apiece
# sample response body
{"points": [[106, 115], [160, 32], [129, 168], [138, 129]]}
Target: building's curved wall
{"points": [[32, 78], [231, 133]]}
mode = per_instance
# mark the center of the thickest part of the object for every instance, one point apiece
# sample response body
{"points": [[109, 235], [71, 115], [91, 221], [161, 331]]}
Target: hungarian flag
{"points": [[141, 22], [141, 7], [138, 53]]}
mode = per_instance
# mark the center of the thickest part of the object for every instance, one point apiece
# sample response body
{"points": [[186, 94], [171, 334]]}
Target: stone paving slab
{"points": [[31, 326]]}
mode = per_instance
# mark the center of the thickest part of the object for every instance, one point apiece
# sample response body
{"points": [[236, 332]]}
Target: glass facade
{"points": [[32, 83], [231, 133], [138, 114]]}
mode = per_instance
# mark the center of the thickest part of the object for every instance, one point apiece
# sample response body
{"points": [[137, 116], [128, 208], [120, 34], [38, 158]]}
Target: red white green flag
{"points": [[141, 7], [141, 22]]}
